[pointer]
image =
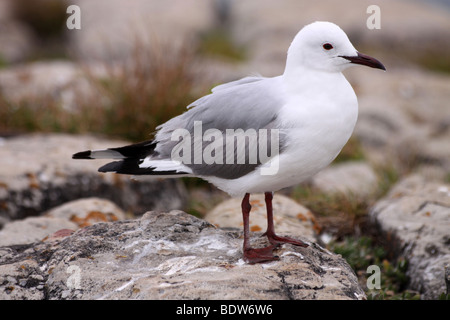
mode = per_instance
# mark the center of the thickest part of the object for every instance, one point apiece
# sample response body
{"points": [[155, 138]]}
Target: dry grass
{"points": [[155, 84], [337, 214], [42, 114], [345, 214], [352, 151]]}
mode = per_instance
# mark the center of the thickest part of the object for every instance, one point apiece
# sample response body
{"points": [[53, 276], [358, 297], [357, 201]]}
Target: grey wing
{"points": [[224, 130]]}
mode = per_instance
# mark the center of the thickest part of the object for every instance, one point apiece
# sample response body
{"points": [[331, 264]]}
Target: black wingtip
{"points": [[82, 155], [111, 167]]}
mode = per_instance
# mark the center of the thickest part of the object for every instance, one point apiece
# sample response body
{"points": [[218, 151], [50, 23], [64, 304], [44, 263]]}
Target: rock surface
{"points": [[37, 173], [354, 178], [168, 256], [85, 212], [289, 217], [415, 220], [69, 216], [404, 119], [32, 229], [56, 81]]}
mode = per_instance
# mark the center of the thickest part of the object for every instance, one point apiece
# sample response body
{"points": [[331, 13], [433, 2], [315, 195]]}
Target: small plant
{"points": [[387, 177], [42, 114], [152, 86], [444, 296], [3, 61], [362, 252], [145, 91], [338, 213], [352, 151], [218, 43], [359, 252]]}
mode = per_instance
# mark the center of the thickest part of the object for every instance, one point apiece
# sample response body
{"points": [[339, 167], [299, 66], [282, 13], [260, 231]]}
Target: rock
{"points": [[168, 256], [37, 173], [436, 151], [32, 229], [69, 216], [110, 28], [16, 39], [415, 219], [63, 83], [353, 178], [289, 216], [260, 22], [85, 212], [403, 120], [447, 278]]}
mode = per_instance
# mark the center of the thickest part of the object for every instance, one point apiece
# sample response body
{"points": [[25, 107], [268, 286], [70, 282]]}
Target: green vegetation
{"points": [[352, 151], [218, 43], [3, 62], [436, 60], [337, 213], [447, 178], [43, 115], [362, 252]]}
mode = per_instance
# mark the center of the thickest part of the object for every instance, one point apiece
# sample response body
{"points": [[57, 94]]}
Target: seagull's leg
{"points": [[270, 233], [252, 255]]}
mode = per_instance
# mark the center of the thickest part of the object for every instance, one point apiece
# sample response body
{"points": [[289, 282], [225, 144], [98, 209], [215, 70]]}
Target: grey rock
{"points": [[403, 119], [415, 217], [37, 173], [69, 216], [32, 229], [354, 178], [64, 83], [447, 278], [140, 20], [168, 256], [85, 212]]}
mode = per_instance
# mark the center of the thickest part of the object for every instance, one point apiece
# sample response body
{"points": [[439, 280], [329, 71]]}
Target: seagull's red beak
{"points": [[365, 60]]}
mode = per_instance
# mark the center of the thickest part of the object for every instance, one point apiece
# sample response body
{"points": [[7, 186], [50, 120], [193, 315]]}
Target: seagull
{"points": [[306, 116]]}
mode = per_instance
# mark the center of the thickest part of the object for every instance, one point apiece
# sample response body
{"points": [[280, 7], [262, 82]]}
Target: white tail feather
{"points": [[164, 165], [106, 154]]}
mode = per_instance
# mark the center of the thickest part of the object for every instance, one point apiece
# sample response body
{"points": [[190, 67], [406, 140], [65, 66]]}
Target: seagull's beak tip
{"points": [[379, 65], [365, 60]]}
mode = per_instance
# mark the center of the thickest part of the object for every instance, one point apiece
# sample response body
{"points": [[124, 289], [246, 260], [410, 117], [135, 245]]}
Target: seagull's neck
{"points": [[298, 77]]}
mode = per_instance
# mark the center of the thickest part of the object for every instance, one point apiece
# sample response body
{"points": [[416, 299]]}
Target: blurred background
{"points": [[137, 63], [155, 57]]}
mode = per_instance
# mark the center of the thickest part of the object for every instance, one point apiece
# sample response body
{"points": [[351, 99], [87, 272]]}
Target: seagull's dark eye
{"points": [[327, 46]]}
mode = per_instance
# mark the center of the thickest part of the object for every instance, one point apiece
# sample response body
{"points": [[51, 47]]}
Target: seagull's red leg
{"points": [[252, 255], [270, 233]]}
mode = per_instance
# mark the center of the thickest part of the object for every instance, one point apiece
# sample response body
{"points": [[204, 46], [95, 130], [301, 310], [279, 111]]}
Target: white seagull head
{"points": [[324, 46]]}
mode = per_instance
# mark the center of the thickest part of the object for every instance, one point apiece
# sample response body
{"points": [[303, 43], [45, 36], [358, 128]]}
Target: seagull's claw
{"points": [[259, 255], [277, 240]]}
